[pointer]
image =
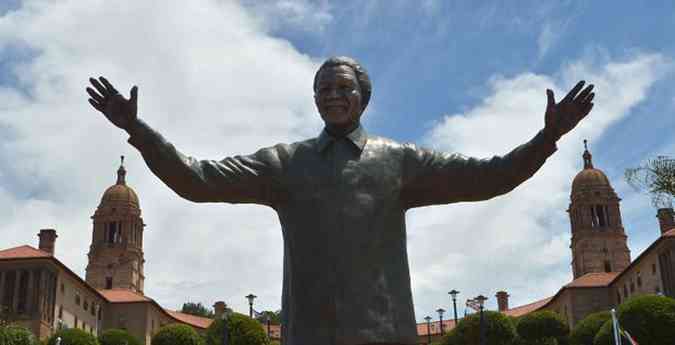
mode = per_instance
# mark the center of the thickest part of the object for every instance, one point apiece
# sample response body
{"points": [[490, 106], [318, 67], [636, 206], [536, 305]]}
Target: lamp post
{"points": [[250, 299], [482, 337], [440, 312], [454, 294], [428, 319]]}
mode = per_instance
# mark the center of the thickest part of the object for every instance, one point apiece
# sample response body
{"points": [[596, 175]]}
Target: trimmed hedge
{"points": [[16, 335], [73, 336], [650, 319], [176, 334], [499, 330], [540, 326], [585, 330], [117, 337], [242, 331]]}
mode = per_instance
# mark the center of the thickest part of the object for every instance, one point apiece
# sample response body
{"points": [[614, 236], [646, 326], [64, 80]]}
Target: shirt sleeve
{"points": [[237, 179], [431, 178]]}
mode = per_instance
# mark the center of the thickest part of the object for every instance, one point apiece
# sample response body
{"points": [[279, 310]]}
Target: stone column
{"points": [[2, 288], [15, 298]]}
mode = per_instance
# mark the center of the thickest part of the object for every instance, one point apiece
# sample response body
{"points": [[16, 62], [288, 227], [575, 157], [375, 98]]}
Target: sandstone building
{"points": [[602, 270]]}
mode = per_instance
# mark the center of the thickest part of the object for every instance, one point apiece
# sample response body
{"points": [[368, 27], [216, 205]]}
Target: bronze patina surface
{"points": [[341, 200]]}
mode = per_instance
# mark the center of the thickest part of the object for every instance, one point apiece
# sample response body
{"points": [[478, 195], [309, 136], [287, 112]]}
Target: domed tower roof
{"points": [[120, 194], [589, 177]]}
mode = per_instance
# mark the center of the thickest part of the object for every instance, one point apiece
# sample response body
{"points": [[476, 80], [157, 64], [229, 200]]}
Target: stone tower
{"points": [[116, 251], [598, 237]]}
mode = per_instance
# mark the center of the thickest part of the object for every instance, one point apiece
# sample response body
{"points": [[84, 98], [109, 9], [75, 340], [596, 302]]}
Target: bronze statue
{"points": [[341, 200]]}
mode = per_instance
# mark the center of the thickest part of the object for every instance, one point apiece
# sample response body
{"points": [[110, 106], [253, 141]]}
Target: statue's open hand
{"points": [[561, 117], [119, 110]]}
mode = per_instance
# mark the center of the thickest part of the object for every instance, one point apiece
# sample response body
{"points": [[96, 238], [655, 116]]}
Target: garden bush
{"points": [[242, 331], [73, 336], [117, 337], [542, 327], [176, 334], [585, 330], [650, 319], [16, 335], [499, 330]]}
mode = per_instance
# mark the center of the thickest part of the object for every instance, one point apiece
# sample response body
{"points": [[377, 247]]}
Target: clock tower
{"points": [[116, 251]]}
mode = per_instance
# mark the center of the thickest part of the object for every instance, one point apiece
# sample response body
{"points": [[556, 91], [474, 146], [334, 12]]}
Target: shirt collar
{"points": [[358, 137]]}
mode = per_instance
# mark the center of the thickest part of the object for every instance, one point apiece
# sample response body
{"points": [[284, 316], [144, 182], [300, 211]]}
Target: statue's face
{"points": [[338, 96]]}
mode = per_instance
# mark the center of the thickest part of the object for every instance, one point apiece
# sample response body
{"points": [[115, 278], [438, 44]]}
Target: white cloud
{"points": [[214, 86], [305, 15], [520, 241]]}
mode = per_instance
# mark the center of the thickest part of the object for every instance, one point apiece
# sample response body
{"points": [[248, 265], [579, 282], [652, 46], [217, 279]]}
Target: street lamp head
{"points": [[481, 300], [250, 298], [427, 318], [454, 294], [440, 311]]}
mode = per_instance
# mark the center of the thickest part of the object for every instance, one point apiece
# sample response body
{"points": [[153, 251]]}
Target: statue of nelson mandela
{"points": [[341, 199]]}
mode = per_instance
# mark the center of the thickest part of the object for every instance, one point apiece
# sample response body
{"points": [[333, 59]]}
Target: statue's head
{"points": [[341, 91]]}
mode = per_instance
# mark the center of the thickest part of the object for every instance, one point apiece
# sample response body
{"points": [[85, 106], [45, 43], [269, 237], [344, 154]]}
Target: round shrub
{"points": [[585, 330], [605, 335], [117, 337], [16, 335], [541, 326], [649, 318], [499, 330], [176, 334], [242, 330], [73, 336]]}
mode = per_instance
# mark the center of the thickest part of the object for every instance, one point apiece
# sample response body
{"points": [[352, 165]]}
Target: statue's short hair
{"points": [[360, 72]]}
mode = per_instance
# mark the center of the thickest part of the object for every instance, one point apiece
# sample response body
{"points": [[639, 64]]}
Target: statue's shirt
{"points": [[341, 203]]}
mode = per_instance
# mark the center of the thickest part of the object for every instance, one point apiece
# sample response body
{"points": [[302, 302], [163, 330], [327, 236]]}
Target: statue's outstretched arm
{"points": [[238, 179], [438, 178]]}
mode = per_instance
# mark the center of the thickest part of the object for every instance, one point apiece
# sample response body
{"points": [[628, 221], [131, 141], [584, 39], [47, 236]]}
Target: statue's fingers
{"points": [[95, 95], [586, 109], [134, 94], [589, 98], [550, 97], [108, 86], [96, 105], [582, 96], [573, 92], [102, 90]]}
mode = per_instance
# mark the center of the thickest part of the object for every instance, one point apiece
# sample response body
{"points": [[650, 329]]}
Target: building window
{"points": [[75, 322], [60, 312], [618, 297], [625, 290], [639, 280], [77, 298], [608, 267], [653, 269], [632, 286], [63, 289], [108, 283], [85, 305], [93, 309]]}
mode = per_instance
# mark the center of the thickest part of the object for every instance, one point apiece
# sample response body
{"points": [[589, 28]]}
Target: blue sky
{"points": [[454, 75]]}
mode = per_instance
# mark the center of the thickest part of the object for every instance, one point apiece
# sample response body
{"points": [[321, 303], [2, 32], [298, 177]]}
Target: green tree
{"points": [[197, 309], [543, 327], [16, 335], [499, 330], [585, 330], [657, 177], [275, 317], [176, 334], [118, 337], [242, 331], [73, 336], [650, 319]]}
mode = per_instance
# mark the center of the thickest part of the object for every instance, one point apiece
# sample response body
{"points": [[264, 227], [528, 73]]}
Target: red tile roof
{"points": [[527, 308], [23, 252], [435, 327], [599, 279], [193, 320], [123, 296]]}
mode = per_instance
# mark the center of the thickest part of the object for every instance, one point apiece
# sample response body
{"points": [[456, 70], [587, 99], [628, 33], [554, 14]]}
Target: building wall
{"points": [[129, 316], [645, 276], [76, 305]]}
